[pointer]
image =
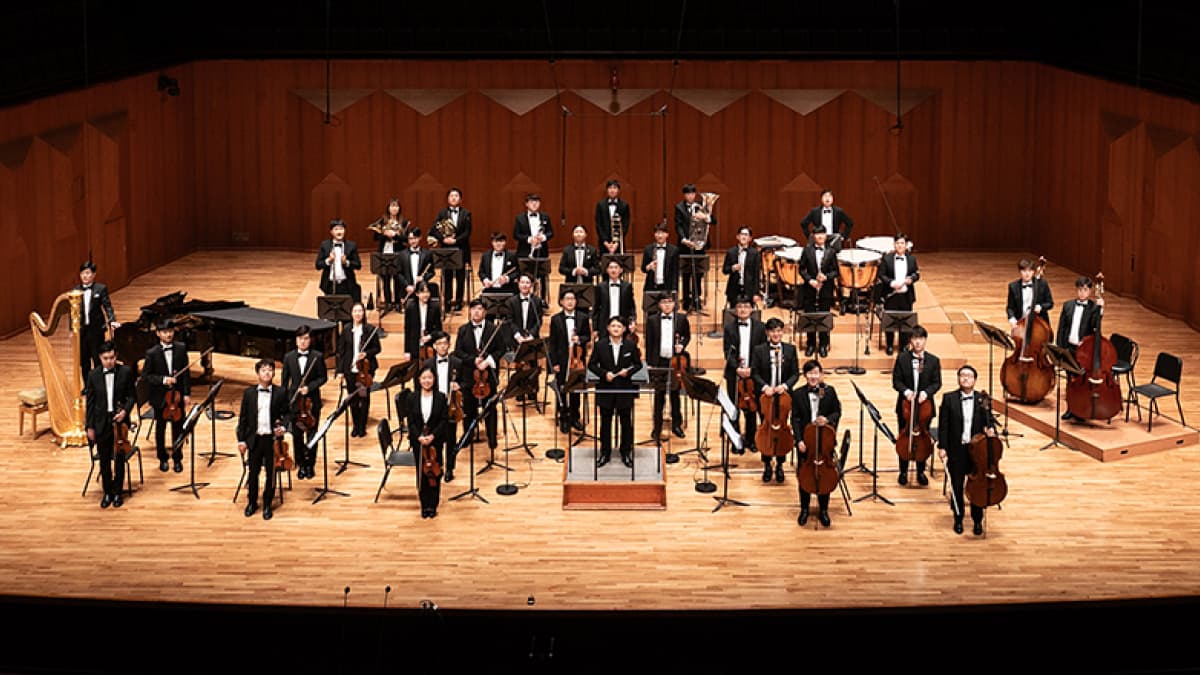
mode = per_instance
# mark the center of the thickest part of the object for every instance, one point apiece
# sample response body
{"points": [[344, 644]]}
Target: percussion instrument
{"points": [[787, 265], [880, 245], [767, 246], [858, 268]]}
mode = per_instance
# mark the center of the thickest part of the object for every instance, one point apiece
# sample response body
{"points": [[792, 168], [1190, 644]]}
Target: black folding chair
{"points": [[392, 456], [1127, 358], [1167, 367]]}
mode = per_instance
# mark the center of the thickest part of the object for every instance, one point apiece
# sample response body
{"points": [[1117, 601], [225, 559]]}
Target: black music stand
{"points": [[526, 355], [701, 390], [523, 381], [896, 321], [996, 337], [694, 265], [660, 380], [575, 381], [495, 305], [468, 437], [345, 462], [585, 294], [727, 442], [449, 259], [812, 322], [398, 375], [209, 408], [880, 426], [320, 437], [189, 428], [560, 404], [538, 269], [335, 309], [385, 266], [625, 260], [1064, 361]]}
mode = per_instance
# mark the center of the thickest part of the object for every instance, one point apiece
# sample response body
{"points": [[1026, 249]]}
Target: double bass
{"points": [[818, 474], [1027, 375], [915, 441], [1096, 394], [986, 485], [774, 436]]}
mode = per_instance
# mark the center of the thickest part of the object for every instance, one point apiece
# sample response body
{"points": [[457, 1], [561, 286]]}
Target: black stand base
{"points": [[325, 490], [706, 487], [191, 484], [506, 489], [471, 491], [556, 454]]}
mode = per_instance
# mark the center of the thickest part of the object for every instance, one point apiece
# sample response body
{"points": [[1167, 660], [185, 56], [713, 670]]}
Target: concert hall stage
{"points": [[1073, 532]]}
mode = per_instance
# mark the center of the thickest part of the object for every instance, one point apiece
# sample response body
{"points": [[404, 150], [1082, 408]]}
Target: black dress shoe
{"points": [[604, 459], [677, 430], [250, 509], [779, 474], [803, 519], [627, 460], [922, 479], [823, 518], [105, 501], [577, 425], [736, 451], [752, 448], [958, 528], [449, 476], [117, 501], [903, 479], [657, 434], [433, 513], [1067, 415], [890, 350], [178, 466], [810, 350], [267, 513], [977, 530], [823, 351], [164, 466]]}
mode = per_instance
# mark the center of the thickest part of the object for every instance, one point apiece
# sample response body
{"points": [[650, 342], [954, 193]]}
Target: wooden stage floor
{"points": [[1072, 528]]}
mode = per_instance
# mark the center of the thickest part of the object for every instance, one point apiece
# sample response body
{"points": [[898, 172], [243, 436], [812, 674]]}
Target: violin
{"points": [[986, 485], [681, 363], [1027, 375], [455, 400], [1096, 394], [483, 383], [577, 360], [121, 444], [915, 443], [283, 459], [774, 436], [819, 474], [431, 465], [304, 419], [365, 378], [173, 398], [745, 392]]}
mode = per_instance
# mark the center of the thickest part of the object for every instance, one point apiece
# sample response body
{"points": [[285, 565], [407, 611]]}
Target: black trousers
{"points": [[897, 303], [806, 499], [818, 301], [160, 436], [261, 456], [111, 478], [90, 338], [958, 466], [676, 411], [471, 410], [692, 283], [569, 414], [300, 450], [455, 282], [429, 490], [625, 416], [393, 289], [360, 407], [748, 421]]}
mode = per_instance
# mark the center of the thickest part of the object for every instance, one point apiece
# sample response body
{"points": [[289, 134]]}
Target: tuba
{"points": [[699, 228], [441, 229]]}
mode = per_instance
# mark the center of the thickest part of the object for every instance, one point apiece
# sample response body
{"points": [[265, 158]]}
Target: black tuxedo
{"points": [[412, 325], [1087, 323], [929, 381], [360, 407], [454, 280], [510, 266], [521, 323], [815, 300], [829, 407], [429, 485], [958, 456], [693, 283], [682, 332], [591, 262], [453, 375], [842, 224], [261, 448], [760, 366], [734, 287], [293, 378], [97, 315], [350, 285], [732, 342], [100, 421], [902, 301], [604, 225], [559, 351], [522, 231], [670, 268], [467, 349], [154, 370], [1041, 296], [602, 362], [424, 269], [627, 310]]}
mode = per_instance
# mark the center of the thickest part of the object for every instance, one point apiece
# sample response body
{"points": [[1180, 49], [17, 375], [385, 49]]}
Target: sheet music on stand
{"points": [[585, 294], [495, 305], [450, 258]]}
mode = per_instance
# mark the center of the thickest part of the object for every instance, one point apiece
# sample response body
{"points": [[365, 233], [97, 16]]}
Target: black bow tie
{"points": [[263, 391], [167, 348], [570, 316], [612, 201], [477, 326], [667, 317], [614, 285], [414, 251], [453, 209], [524, 299], [304, 354], [1082, 303], [818, 248], [814, 391], [1026, 285], [661, 247], [443, 360], [828, 211], [968, 398], [87, 287], [108, 371], [743, 323], [899, 258]]}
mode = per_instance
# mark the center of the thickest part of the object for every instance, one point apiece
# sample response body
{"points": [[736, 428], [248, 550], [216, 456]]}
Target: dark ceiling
{"points": [[57, 45]]}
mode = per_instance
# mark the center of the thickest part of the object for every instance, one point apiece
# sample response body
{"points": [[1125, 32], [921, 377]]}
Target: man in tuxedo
{"points": [[818, 267], [614, 298], [264, 417], [614, 359], [454, 281], [608, 209], [964, 414], [304, 374], [497, 267], [660, 262], [416, 266], [1078, 320], [568, 328], [916, 377], [775, 368], [898, 274], [685, 211], [97, 316], [422, 319], [741, 336], [1028, 292], [667, 334], [533, 231], [830, 217], [525, 311], [337, 259], [815, 403], [110, 396], [580, 262], [165, 369], [478, 350], [448, 369], [743, 266]]}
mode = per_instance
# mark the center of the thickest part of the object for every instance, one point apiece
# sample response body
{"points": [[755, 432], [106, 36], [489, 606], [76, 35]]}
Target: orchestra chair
{"points": [[95, 455], [1169, 368], [144, 410], [392, 455], [279, 472], [30, 402], [1127, 358]]}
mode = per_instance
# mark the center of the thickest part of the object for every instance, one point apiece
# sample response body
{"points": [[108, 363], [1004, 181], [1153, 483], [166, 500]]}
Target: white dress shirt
{"points": [[426, 406], [337, 271], [744, 343], [666, 342], [901, 269], [414, 263], [357, 330], [827, 218], [968, 413], [742, 266], [110, 377], [813, 402], [1076, 320], [87, 305], [167, 357], [660, 259], [614, 299], [443, 373], [497, 265], [263, 426]]}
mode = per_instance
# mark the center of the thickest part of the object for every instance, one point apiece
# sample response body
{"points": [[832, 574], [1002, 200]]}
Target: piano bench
{"points": [[31, 402]]}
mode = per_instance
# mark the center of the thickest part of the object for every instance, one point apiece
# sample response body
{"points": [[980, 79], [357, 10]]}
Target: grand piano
{"points": [[227, 326]]}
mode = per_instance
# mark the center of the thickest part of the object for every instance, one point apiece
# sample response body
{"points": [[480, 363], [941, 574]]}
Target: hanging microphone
{"points": [[386, 591]]}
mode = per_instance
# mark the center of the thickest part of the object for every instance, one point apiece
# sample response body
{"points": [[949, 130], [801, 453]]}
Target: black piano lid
{"points": [[265, 318]]}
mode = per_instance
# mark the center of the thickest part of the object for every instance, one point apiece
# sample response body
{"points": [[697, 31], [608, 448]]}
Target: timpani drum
{"points": [[880, 245], [858, 268], [768, 246], [787, 265]]}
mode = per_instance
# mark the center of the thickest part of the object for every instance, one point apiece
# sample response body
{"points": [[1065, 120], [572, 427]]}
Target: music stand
{"points": [[448, 259], [398, 375], [813, 322], [468, 437], [335, 309], [539, 269], [1065, 361], [625, 260], [523, 381], [585, 294], [320, 437], [385, 266], [701, 390], [577, 380], [209, 406], [896, 321], [996, 337], [189, 427], [495, 305], [560, 403], [880, 426], [660, 380], [694, 265]]}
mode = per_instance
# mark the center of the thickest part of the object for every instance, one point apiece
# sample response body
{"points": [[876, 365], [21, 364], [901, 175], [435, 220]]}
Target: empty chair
{"points": [[392, 455], [1167, 368]]}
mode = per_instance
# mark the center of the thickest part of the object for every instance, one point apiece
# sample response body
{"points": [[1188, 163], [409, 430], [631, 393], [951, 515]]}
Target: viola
{"points": [[986, 485], [304, 419], [681, 364], [747, 400], [819, 474], [1027, 375], [431, 465], [283, 458], [482, 387], [173, 398], [774, 437], [577, 358], [915, 441], [121, 444], [365, 377], [1096, 394]]}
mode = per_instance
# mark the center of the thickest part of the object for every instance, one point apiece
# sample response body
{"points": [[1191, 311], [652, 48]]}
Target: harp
{"points": [[59, 362]]}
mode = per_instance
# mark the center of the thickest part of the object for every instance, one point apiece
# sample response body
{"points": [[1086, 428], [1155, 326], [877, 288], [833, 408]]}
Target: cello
{"points": [[774, 436], [986, 485], [915, 443], [1096, 394], [818, 474], [1027, 375]]}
